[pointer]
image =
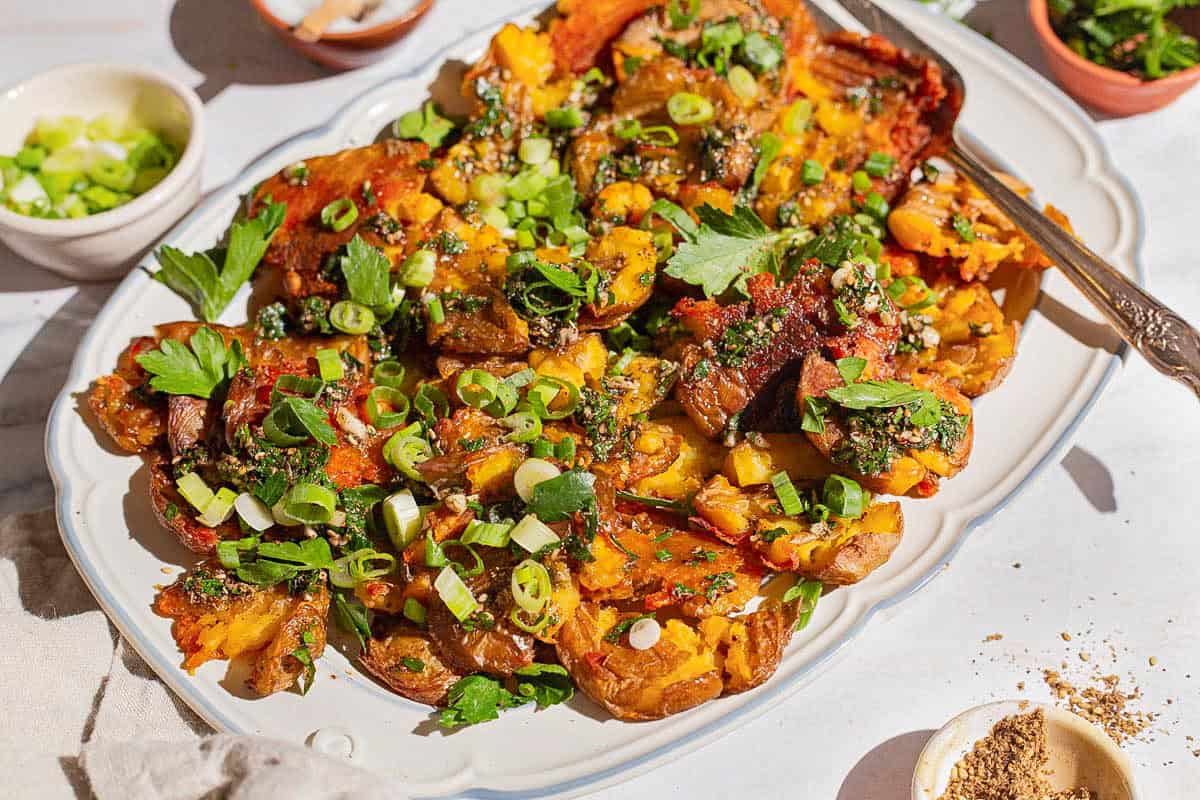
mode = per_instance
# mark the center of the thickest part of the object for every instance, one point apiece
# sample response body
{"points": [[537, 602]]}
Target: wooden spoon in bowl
{"points": [[315, 24]]}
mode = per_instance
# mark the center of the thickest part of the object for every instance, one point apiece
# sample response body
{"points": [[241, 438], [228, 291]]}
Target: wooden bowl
{"points": [[346, 49], [1109, 90]]}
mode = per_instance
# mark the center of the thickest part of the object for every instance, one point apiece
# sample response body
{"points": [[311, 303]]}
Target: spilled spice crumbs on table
{"points": [[1103, 703]]}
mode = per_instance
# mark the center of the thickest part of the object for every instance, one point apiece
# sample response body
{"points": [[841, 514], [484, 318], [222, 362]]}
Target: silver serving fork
{"points": [[1169, 343]]}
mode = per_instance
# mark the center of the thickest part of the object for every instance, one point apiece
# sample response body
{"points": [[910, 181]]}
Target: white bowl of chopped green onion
{"points": [[96, 162]]}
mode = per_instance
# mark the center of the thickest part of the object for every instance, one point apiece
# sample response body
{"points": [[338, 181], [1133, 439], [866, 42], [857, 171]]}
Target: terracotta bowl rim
{"points": [[392, 27], [1039, 12]]}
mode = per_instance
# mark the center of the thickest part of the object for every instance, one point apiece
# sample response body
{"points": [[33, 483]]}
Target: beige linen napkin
{"points": [[81, 714]]}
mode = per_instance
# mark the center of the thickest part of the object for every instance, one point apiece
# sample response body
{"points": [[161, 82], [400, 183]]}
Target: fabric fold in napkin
{"points": [[85, 717]]}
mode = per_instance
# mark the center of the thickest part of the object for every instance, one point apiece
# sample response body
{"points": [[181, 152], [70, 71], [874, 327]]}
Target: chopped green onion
{"points": [[436, 314], [461, 569], [329, 364], [339, 215], [877, 206], [789, 500], [404, 452], [389, 372], [488, 188], [280, 515], [386, 420], [964, 228], [860, 181], [418, 269], [623, 361], [844, 497], [434, 555], [564, 450], [490, 534], [812, 172], [193, 489], [627, 129], [663, 135], [431, 403], [680, 19], [506, 400], [521, 378], [534, 627], [339, 573], [531, 587], [495, 216], [879, 165], [476, 387], [282, 428], [547, 390], [686, 108], [535, 150], [797, 117], [414, 611], [289, 385], [808, 592], [310, 503], [402, 518], [254, 512], [351, 317], [219, 509], [564, 118], [112, 174], [541, 448], [742, 82], [532, 472], [525, 427], [455, 594], [533, 534], [360, 569]]}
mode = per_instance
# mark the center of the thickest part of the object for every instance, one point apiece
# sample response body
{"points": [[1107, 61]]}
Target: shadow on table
{"points": [[886, 771], [231, 44]]}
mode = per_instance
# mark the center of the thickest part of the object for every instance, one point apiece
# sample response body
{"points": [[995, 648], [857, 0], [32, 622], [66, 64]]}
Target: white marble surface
{"points": [[1107, 548]]}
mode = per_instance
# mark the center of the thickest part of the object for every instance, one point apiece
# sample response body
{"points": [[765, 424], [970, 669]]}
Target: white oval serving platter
{"points": [[119, 549]]}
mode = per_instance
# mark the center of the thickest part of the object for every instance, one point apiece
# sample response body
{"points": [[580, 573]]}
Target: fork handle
{"points": [[1170, 344]]}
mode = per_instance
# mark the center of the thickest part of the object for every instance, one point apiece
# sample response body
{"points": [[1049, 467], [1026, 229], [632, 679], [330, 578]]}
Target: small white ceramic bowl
{"points": [[102, 246], [1080, 753]]}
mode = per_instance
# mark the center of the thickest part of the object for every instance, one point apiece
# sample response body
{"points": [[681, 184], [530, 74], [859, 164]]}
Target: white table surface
{"points": [[1107, 547]]}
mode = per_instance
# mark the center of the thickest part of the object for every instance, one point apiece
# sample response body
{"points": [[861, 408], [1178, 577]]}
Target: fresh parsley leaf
{"points": [[197, 371], [305, 680], [545, 684], [311, 418], [964, 228], [352, 616], [196, 275], [309, 554], [366, 271], [412, 664], [266, 573], [556, 499], [876, 394], [815, 409], [679, 219], [851, 368], [475, 699], [727, 249]]}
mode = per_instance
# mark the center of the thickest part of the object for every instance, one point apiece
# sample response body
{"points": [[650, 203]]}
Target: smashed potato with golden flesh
{"points": [[677, 673], [217, 617], [974, 346]]}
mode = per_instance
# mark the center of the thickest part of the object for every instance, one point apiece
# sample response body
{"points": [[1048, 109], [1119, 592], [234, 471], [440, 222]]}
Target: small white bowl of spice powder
{"points": [[1017, 750]]}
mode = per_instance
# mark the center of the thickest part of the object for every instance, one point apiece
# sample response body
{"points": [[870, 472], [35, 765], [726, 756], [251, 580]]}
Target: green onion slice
{"points": [[310, 503], [462, 569], [431, 403], [351, 317], [229, 551], [546, 391], [219, 509], [339, 215], [785, 491], [418, 269], [533, 534], [361, 562], [388, 373], [404, 451], [491, 534], [193, 489], [476, 387], [329, 364], [686, 108], [434, 557], [525, 427], [531, 586], [414, 611], [455, 594], [296, 386], [386, 420]]}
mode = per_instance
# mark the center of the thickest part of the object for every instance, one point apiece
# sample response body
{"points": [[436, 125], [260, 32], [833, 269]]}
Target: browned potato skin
{"points": [[499, 651], [768, 631], [858, 558], [177, 515], [275, 668], [384, 656], [622, 679]]}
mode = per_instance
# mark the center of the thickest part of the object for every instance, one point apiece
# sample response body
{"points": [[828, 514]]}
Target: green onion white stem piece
{"points": [[533, 534], [532, 472], [253, 512], [455, 594], [402, 518], [219, 509], [193, 489]]}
